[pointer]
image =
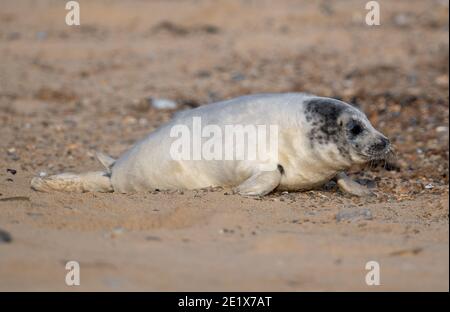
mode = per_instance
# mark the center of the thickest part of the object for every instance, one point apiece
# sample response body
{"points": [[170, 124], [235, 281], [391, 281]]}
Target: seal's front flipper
{"points": [[94, 181], [260, 183], [349, 186]]}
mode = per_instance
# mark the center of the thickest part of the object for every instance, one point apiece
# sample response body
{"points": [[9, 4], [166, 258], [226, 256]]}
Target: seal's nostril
{"points": [[382, 144]]}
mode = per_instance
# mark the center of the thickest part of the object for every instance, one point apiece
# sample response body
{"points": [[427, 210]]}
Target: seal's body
{"points": [[317, 139]]}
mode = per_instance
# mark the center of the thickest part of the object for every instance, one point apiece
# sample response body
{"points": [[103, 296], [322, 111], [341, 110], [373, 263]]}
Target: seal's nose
{"points": [[381, 144]]}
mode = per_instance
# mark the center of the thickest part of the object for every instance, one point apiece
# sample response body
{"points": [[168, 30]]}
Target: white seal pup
{"points": [[317, 139]]}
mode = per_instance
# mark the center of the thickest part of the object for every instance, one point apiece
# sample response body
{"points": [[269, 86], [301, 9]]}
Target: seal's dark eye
{"points": [[355, 128]]}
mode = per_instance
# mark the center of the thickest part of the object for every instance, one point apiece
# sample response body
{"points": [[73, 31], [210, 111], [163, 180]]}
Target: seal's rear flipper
{"points": [[94, 181], [105, 160]]}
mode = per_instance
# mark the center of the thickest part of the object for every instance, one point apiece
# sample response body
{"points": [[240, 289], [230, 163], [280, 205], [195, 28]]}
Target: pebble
{"points": [[402, 20], [330, 185], [238, 77], [12, 171], [12, 153], [225, 230], [442, 80], [354, 214], [367, 182], [129, 120], [113, 282], [13, 36], [163, 103], [15, 198], [118, 230], [5, 237], [441, 129], [41, 35], [143, 122], [152, 238]]}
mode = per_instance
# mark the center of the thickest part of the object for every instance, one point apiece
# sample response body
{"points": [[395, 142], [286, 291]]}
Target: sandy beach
{"points": [[68, 91]]}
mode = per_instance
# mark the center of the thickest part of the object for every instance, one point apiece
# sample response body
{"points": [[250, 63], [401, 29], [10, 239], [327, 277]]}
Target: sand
{"points": [[66, 92]]}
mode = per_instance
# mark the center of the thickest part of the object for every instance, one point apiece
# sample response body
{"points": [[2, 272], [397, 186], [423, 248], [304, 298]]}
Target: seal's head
{"points": [[366, 143], [343, 133]]}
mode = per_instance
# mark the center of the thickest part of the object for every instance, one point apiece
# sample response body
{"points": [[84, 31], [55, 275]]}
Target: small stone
{"points": [[330, 185], [34, 215], [129, 120], [402, 20], [429, 186], [5, 237], [118, 230], [442, 80], [152, 238], [13, 36], [203, 74], [441, 129], [15, 198], [367, 182], [12, 171], [225, 230], [238, 77], [112, 282], [354, 214], [143, 122], [163, 103], [12, 153], [41, 35]]}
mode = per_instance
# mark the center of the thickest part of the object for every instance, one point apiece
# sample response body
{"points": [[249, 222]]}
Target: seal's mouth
{"points": [[382, 150], [386, 155], [380, 156], [379, 150]]}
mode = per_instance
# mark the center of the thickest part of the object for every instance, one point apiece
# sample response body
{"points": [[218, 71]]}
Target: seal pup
{"points": [[318, 138]]}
